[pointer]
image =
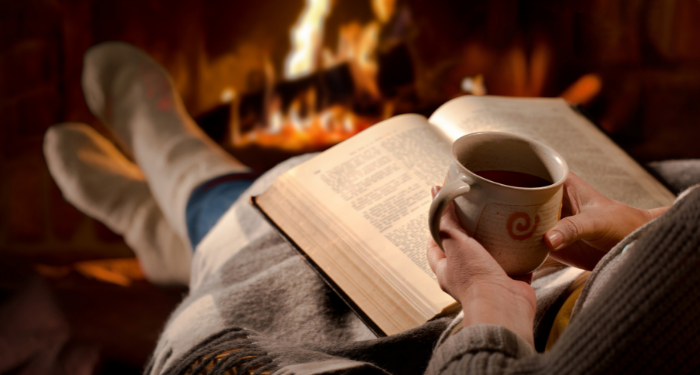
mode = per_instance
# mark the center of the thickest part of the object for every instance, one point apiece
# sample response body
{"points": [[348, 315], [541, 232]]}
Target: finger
{"points": [[458, 245], [566, 198], [579, 255], [450, 227], [576, 183], [574, 179], [571, 202], [435, 190], [449, 213], [571, 229], [449, 220], [435, 256], [577, 194]]}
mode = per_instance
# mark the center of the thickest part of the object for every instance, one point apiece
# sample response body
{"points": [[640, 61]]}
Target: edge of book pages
{"points": [[449, 310], [322, 274]]}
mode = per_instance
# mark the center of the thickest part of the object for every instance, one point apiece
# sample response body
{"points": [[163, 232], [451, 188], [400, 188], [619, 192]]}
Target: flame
{"points": [[474, 85], [302, 127], [307, 36], [291, 132], [227, 95], [383, 9]]}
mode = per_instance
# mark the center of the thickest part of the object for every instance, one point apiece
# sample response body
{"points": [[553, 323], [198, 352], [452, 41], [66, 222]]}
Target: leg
{"points": [[97, 179], [137, 100]]}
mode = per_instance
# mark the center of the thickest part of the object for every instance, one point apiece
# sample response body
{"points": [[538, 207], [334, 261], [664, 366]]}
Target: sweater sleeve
{"points": [[475, 349], [643, 320]]}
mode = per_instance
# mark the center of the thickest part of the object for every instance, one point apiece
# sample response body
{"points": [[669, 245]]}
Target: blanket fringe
{"points": [[229, 352]]}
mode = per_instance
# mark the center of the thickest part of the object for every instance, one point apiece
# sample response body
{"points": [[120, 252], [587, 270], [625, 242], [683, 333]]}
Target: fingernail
{"points": [[434, 191], [555, 239]]}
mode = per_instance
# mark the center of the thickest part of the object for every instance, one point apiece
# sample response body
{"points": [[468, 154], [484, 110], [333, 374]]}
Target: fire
{"points": [[302, 126], [357, 46], [294, 133], [383, 9], [307, 36]]}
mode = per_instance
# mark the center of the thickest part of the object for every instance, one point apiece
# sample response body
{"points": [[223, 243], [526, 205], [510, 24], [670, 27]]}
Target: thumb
{"points": [[569, 230]]}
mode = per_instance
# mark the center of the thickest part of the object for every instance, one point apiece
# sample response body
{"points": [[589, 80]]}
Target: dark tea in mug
{"points": [[517, 179]]}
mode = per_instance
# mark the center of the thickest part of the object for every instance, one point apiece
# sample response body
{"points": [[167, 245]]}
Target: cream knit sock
{"points": [[136, 98], [99, 180]]}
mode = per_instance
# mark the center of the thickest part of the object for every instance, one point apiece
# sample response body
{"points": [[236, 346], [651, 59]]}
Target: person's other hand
{"points": [[469, 273], [591, 224]]}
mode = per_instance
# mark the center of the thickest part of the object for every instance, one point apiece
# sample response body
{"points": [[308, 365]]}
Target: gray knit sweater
{"points": [[255, 305]]}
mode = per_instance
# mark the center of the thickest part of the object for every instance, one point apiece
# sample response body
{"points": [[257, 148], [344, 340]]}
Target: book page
{"points": [[588, 152], [375, 192]]}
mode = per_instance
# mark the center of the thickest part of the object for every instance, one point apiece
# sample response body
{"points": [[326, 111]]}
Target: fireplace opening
{"points": [[348, 67]]}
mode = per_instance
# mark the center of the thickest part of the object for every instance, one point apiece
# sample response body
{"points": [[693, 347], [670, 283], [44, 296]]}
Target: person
{"points": [[255, 307]]}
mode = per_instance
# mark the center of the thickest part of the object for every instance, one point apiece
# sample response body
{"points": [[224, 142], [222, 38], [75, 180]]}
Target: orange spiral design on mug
{"points": [[512, 226]]}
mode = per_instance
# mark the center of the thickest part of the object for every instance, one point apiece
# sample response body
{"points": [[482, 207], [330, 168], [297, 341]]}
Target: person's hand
{"points": [[591, 224], [469, 273]]}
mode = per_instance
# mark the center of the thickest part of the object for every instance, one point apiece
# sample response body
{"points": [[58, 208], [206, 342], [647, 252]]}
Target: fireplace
{"points": [[269, 79], [320, 71], [633, 65]]}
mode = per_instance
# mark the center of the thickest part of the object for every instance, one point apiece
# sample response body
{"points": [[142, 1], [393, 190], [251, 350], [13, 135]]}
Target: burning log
{"points": [[326, 96], [332, 86], [306, 114]]}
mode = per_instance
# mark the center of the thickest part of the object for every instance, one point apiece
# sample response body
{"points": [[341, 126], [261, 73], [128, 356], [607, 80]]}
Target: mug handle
{"points": [[447, 194]]}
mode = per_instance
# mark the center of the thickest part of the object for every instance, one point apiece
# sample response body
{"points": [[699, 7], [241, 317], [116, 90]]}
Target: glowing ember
{"points": [[293, 133]]}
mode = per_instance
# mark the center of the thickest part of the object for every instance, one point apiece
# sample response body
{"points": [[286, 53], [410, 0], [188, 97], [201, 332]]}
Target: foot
{"points": [[122, 84], [136, 99], [102, 183]]}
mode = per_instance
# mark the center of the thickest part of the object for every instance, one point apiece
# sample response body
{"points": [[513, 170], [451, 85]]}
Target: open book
{"points": [[358, 212]]}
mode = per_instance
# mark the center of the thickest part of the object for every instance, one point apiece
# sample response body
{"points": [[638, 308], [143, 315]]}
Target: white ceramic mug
{"points": [[508, 220]]}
